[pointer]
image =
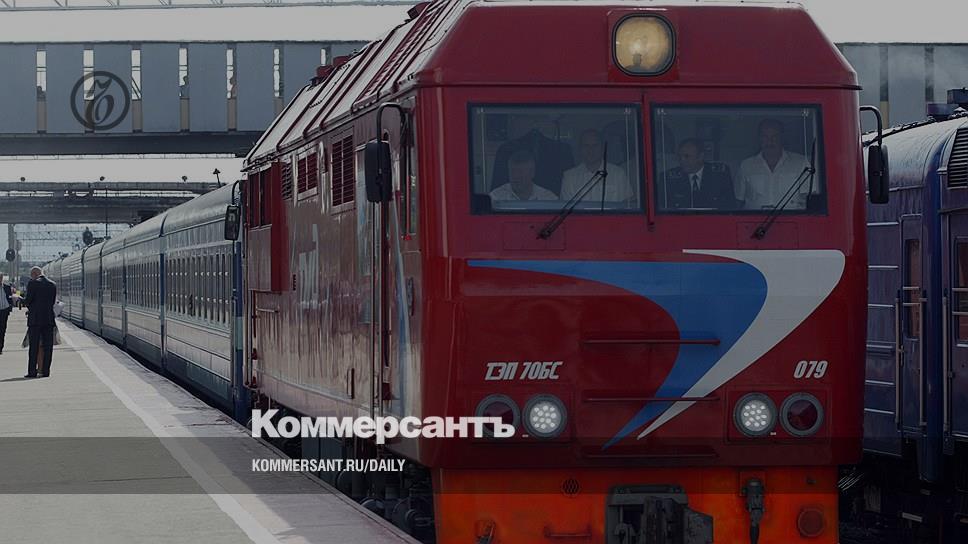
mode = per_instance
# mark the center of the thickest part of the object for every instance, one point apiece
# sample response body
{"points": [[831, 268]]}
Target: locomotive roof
{"points": [[201, 209], [455, 43]]}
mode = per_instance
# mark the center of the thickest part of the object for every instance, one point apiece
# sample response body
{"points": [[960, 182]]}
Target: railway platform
{"points": [[107, 451]]}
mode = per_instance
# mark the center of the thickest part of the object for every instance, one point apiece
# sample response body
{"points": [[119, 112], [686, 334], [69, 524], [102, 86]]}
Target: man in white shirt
{"points": [[765, 177], [521, 169], [616, 183]]}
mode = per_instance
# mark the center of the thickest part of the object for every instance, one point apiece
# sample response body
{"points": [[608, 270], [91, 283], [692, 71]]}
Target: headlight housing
{"points": [[801, 414], [545, 416], [644, 45], [755, 414], [498, 406]]}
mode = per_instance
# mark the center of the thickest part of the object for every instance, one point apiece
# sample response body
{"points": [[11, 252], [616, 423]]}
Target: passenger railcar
{"points": [[916, 399], [167, 291], [676, 363], [112, 290], [142, 256], [91, 269], [199, 278], [71, 288]]}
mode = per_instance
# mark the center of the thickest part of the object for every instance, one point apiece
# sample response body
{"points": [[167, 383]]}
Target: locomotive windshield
{"points": [[535, 158], [736, 159]]}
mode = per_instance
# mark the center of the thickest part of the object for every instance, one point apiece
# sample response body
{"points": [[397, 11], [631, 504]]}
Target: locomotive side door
{"points": [[955, 322], [395, 263], [911, 301]]}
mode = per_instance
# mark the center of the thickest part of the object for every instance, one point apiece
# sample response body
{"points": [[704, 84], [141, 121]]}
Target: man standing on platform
{"points": [[41, 294], [6, 306]]}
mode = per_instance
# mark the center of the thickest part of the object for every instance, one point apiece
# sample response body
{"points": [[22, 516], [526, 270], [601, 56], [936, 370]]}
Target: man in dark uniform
{"points": [[696, 183], [6, 306], [41, 294]]}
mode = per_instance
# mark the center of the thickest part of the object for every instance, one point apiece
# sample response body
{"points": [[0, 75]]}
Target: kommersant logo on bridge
{"points": [[265, 425]]}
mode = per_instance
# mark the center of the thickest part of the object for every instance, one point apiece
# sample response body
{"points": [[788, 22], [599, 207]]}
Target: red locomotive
{"points": [[634, 231]]}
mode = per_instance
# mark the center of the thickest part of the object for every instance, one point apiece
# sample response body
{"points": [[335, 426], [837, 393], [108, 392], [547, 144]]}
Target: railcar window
{"points": [[738, 159], [960, 306], [535, 158]]}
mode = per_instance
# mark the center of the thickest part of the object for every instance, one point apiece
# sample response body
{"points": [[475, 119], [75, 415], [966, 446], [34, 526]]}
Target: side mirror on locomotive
{"points": [[878, 177], [377, 171], [233, 220]]}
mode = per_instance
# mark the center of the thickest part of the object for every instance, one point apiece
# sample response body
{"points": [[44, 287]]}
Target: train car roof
{"points": [[199, 210], [91, 252], [146, 230], [75, 256], [915, 150], [442, 45], [112, 245]]}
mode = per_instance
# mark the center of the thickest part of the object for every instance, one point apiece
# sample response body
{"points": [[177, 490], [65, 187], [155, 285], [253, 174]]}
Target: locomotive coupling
{"points": [[754, 491]]}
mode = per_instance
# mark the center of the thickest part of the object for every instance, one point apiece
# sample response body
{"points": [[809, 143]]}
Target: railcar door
{"points": [[955, 321], [912, 299]]}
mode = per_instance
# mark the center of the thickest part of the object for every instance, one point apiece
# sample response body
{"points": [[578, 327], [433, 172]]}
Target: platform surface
{"points": [[107, 451]]}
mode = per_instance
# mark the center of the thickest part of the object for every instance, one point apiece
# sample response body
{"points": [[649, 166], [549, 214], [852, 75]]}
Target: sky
{"points": [[842, 20], [297, 23], [891, 20]]}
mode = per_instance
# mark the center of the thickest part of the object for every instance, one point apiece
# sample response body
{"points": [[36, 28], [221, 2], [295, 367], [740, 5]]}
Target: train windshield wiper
{"points": [[806, 174], [569, 206]]}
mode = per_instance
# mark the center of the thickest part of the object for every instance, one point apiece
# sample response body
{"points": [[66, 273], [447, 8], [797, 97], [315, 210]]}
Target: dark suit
{"points": [[41, 294], [5, 314], [715, 189]]}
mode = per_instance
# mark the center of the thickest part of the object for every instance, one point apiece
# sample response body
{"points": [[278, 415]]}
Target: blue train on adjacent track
{"points": [[916, 398]]}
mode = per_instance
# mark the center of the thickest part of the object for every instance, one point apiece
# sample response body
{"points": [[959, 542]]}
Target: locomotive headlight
{"points": [[499, 406], [545, 416], [645, 45], [755, 414], [801, 414]]}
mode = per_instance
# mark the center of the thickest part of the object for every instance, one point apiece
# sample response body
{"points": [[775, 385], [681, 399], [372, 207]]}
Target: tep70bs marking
{"points": [[530, 370]]}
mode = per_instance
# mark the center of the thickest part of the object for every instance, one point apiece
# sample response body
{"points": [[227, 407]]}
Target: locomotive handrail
{"points": [[898, 361], [945, 363], [651, 399], [650, 341], [922, 422]]}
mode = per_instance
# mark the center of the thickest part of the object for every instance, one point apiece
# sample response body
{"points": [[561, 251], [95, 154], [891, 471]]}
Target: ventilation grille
{"points": [[403, 51], [312, 171], [286, 180], [343, 172], [958, 163], [301, 174]]}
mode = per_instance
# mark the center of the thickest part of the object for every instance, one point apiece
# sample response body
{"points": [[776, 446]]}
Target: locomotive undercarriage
{"points": [[885, 499]]}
